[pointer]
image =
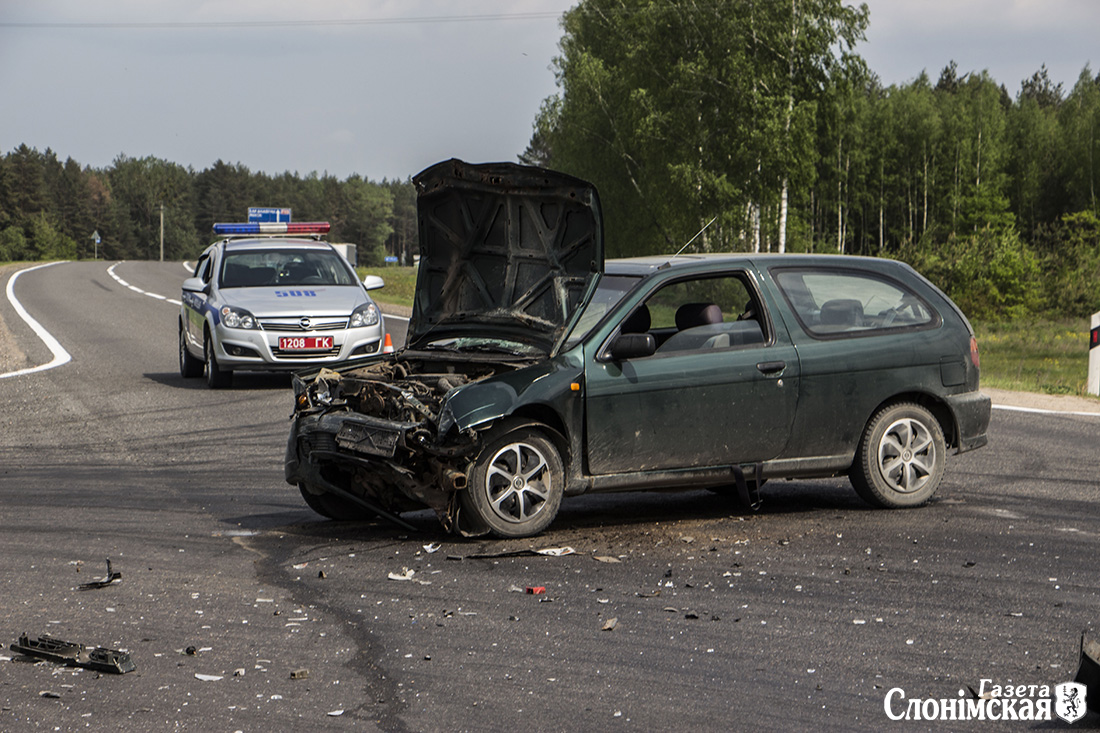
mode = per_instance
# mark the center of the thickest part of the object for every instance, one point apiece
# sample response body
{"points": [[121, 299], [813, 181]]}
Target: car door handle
{"points": [[771, 367]]}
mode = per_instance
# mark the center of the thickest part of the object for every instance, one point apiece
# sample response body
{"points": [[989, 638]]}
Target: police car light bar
{"points": [[273, 227]]}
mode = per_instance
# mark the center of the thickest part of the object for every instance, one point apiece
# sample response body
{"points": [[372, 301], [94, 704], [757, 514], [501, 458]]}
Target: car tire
{"points": [[335, 507], [901, 457], [215, 377], [190, 367], [516, 484]]}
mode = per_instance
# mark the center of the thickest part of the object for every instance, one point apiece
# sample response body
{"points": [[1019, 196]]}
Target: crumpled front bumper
{"points": [[394, 464]]}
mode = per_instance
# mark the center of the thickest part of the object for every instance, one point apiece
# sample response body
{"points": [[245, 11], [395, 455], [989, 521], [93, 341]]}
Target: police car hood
{"points": [[285, 302], [506, 251]]}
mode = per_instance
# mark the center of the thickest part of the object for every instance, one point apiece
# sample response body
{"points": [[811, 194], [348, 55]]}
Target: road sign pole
{"points": [[1094, 356]]}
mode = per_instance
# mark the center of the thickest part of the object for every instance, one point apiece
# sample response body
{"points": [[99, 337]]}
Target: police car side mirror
{"points": [[373, 282], [195, 285]]}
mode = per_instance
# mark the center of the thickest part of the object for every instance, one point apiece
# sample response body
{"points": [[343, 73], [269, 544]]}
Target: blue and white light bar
{"points": [[274, 227]]}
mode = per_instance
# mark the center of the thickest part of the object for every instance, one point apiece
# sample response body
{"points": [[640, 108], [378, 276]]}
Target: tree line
{"points": [[51, 210], [752, 123], [759, 118]]}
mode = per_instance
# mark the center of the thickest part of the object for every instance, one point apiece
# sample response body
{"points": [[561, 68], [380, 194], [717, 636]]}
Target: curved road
{"points": [[676, 611]]}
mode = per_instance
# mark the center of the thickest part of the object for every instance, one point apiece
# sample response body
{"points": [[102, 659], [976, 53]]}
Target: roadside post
{"points": [[1094, 356]]}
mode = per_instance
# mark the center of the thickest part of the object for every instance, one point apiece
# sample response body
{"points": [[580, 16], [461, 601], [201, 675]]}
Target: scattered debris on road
{"points": [[74, 655], [110, 578]]}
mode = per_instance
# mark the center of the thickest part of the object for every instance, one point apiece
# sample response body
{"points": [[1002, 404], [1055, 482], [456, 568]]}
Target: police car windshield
{"points": [[258, 268]]}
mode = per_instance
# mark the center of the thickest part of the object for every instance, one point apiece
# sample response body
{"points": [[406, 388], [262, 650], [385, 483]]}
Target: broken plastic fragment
{"points": [[74, 655], [610, 624], [556, 551], [109, 579], [208, 677]]}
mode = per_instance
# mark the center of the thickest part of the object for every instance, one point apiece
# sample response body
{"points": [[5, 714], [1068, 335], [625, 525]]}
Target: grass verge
{"points": [[1050, 357]]}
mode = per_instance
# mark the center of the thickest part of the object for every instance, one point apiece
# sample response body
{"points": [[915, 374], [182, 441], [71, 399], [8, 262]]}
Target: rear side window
{"points": [[837, 303]]}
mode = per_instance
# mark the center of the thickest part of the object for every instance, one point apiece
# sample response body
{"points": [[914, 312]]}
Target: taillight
{"points": [[974, 358]]}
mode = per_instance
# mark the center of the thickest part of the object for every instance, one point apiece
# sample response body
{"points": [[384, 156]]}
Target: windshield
{"points": [[256, 268], [608, 293]]}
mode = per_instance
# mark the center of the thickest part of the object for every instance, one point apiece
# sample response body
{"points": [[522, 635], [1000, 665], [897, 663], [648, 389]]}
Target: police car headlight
{"points": [[365, 315], [238, 318]]}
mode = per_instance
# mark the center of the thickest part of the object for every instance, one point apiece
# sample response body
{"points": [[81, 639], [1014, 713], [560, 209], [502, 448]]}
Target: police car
{"points": [[274, 297]]}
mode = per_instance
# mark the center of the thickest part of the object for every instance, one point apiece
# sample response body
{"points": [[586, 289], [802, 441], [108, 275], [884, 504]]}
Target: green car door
{"points": [[720, 389]]}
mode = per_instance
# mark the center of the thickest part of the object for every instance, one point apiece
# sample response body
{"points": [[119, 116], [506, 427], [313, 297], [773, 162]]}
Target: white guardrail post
{"points": [[1094, 356]]}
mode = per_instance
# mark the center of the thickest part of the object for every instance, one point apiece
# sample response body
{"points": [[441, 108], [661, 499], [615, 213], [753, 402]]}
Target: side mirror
{"points": [[373, 282], [633, 346], [194, 285]]}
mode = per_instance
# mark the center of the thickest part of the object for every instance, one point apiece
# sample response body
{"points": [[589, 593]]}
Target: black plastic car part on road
{"points": [[535, 371]]}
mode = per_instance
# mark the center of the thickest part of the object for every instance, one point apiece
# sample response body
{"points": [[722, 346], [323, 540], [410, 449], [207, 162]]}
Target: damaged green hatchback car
{"points": [[533, 370]]}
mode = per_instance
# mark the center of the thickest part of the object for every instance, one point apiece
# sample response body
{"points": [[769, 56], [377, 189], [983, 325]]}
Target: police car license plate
{"points": [[305, 343]]}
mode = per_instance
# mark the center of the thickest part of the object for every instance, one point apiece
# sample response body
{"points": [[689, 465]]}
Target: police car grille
{"points": [[294, 324]]}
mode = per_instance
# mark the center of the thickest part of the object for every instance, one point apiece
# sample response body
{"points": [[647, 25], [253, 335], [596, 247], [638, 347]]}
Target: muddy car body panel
{"points": [[715, 371]]}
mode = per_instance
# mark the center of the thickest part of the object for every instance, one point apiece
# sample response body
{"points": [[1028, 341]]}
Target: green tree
{"points": [[139, 188], [1080, 156], [682, 113]]}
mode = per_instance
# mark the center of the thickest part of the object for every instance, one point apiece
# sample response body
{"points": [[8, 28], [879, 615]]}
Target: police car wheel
{"points": [[215, 377], [190, 367]]}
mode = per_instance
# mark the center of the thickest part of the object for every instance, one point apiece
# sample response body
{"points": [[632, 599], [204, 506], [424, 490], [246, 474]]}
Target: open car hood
{"points": [[506, 251]]}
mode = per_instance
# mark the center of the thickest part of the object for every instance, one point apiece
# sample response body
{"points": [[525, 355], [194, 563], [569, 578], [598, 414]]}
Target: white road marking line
{"points": [[1038, 411], [123, 283], [60, 355]]}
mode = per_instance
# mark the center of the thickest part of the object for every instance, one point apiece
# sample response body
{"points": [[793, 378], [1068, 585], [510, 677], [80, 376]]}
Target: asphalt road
{"points": [[675, 611]]}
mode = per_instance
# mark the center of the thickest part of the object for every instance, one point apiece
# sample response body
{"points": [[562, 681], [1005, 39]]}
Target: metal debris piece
{"points": [[109, 579], [74, 655], [546, 552]]}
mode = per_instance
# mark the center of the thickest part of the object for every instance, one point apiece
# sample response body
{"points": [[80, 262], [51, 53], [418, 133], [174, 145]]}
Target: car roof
{"points": [[639, 266]]}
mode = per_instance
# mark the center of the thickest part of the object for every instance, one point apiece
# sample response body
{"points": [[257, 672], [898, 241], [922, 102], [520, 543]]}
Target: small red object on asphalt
{"points": [[536, 589]]}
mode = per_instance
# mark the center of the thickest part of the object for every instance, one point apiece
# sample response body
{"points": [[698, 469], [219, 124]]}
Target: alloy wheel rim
{"points": [[907, 456], [517, 482]]}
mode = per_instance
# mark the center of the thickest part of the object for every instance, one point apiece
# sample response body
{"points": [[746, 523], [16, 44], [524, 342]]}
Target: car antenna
{"points": [[670, 259]]}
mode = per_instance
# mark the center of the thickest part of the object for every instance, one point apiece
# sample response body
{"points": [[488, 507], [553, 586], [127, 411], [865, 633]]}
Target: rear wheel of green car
{"points": [[516, 484], [901, 457]]}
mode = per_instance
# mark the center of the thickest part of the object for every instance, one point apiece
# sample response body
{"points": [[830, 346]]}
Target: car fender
{"points": [[546, 386]]}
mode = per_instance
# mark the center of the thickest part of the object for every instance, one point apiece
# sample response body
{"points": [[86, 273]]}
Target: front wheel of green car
{"points": [[516, 484], [901, 457]]}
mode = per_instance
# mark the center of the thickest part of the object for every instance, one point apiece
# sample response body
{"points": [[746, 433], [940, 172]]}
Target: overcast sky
{"points": [[384, 88]]}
